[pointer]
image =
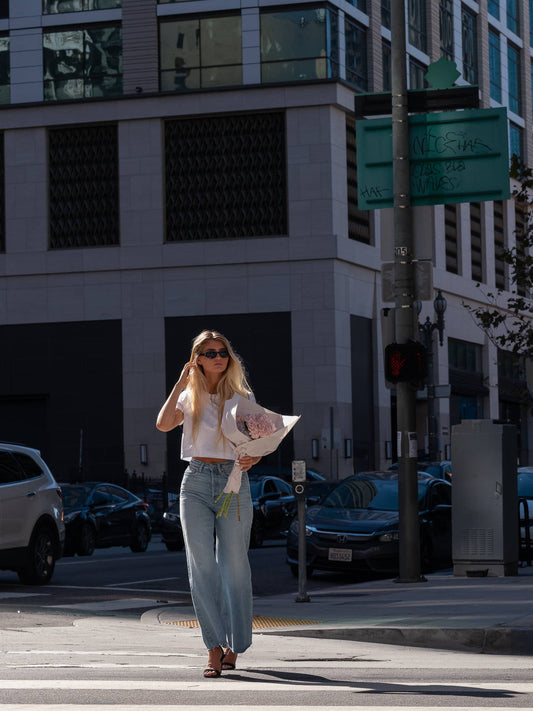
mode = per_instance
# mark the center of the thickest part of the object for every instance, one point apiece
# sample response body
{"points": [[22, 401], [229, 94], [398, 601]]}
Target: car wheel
{"points": [[140, 538], [87, 541], [175, 546], [256, 534], [41, 558], [295, 571]]}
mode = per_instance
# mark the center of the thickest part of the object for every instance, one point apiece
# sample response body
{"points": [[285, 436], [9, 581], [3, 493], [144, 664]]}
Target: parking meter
{"points": [[299, 486]]}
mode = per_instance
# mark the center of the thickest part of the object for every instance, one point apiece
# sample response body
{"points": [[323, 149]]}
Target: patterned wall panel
{"points": [[225, 177], [83, 186]]}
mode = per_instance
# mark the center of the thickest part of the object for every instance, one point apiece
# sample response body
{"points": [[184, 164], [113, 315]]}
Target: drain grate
{"points": [[258, 623]]}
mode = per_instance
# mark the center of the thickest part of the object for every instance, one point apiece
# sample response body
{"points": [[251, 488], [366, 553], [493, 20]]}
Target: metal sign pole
{"points": [[404, 283]]}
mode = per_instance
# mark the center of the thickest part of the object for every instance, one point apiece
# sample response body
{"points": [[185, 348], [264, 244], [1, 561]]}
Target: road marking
{"points": [[122, 604], [107, 588], [251, 685], [7, 595], [144, 582]]}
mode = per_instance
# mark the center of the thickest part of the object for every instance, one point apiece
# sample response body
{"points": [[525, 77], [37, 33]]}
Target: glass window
{"points": [[200, 53], [513, 18], [356, 64], [359, 4], [10, 471], [416, 13], [4, 9], [531, 73], [495, 67], [30, 466], [299, 44], [464, 356], [81, 63], [494, 8], [52, 7], [513, 69], [531, 23], [515, 140], [386, 64], [385, 13], [446, 28], [417, 72], [469, 41], [5, 89]]}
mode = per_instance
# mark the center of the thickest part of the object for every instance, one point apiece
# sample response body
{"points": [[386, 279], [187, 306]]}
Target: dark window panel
{"points": [[83, 186], [225, 177]]}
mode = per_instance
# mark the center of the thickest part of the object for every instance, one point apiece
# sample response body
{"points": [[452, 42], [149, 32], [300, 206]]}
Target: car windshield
{"points": [[368, 494], [525, 485], [74, 495]]}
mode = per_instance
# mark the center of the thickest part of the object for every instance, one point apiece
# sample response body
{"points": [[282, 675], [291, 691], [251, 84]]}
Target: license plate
{"points": [[340, 554]]}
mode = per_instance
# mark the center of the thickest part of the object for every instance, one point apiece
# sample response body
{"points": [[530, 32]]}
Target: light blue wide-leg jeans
{"points": [[219, 576]]}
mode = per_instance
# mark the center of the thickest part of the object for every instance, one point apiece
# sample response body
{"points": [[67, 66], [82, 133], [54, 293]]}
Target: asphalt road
{"points": [[80, 643]]}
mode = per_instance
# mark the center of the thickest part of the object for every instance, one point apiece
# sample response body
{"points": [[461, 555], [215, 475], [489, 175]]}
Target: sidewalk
{"points": [[493, 614]]}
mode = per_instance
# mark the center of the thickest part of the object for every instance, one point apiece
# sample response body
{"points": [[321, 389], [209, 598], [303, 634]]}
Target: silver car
{"points": [[32, 532]]}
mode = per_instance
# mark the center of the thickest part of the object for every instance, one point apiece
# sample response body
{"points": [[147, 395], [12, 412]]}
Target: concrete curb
{"points": [[487, 641]]}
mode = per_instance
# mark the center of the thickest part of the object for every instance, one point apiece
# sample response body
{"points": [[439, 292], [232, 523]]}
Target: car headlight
{"points": [[295, 528], [171, 517], [390, 536]]}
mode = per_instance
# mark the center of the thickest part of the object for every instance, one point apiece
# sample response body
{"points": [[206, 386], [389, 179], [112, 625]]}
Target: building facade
{"points": [[173, 166]]}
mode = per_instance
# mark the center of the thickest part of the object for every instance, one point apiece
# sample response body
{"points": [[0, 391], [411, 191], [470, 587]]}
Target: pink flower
{"points": [[259, 425]]}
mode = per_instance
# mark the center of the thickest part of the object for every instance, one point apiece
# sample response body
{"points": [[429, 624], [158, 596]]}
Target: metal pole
{"points": [[409, 563], [302, 555]]}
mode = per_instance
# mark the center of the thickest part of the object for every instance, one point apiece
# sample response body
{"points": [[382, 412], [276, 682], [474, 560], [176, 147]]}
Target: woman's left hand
{"points": [[245, 462]]}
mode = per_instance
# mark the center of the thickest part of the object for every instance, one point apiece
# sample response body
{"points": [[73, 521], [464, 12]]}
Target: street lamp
{"points": [[426, 336]]}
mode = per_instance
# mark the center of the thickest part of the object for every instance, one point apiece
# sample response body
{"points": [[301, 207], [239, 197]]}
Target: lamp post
{"points": [[426, 336]]}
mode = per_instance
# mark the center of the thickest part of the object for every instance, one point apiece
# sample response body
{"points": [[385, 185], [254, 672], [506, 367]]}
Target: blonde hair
{"points": [[232, 381]]}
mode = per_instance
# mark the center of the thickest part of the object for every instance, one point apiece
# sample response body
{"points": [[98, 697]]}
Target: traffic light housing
{"points": [[405, 362]]}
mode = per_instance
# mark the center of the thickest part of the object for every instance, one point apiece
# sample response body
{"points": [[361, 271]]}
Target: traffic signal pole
{"points": [[405, 315]]}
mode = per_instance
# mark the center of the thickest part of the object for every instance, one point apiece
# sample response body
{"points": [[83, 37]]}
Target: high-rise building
{"points": [[172, 166]]}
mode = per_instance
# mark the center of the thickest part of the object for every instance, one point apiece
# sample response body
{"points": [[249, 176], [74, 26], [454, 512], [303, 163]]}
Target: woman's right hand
{"points": [[186, 372]]}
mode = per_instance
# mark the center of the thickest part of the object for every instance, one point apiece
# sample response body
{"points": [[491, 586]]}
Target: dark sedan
{"points": [[99, 515], [274, 507], [356, 526], [171, 531], [525, 510]]}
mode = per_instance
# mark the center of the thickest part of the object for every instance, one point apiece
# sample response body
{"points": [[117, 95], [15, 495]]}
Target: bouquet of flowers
{"points": [[252, 430]]}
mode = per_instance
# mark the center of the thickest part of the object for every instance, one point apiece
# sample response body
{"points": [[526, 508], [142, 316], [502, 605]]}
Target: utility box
{"points": [[484, 499]]}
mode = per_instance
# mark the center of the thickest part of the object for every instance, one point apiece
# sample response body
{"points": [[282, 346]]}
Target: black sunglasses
{"points": [[223, 353]]}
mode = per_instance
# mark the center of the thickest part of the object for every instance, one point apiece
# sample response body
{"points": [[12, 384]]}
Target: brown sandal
{"points": [[211, 671], [229, 660]]}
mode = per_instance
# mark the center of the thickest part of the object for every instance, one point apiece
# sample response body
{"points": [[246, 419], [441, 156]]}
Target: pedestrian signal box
{"points": [[405, 362]]}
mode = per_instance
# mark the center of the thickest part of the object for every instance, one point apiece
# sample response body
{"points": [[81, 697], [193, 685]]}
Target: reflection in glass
{"points": [[299, 44], [83, 63], [52, 7], [469, 37], [356, 64], [201, 53], [5, 92]]}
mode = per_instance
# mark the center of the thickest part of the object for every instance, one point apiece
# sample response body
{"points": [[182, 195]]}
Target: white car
{"points": [[32, 532]]}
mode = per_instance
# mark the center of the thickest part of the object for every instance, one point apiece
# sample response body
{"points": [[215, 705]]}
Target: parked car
{"points": [[99, 515], [171, 531], [274, 507], [525, 509], [356, 526], [31, 515], [317, 484]]}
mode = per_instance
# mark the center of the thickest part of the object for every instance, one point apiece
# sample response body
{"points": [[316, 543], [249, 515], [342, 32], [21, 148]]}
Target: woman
{"points": [[220, 579]]}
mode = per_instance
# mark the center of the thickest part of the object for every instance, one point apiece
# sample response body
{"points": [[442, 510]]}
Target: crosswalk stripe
{"points": [[241, 685], [218, 707]]}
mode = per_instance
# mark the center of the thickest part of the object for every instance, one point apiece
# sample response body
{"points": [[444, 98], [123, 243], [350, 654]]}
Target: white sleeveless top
{"points": [[207, 443]]}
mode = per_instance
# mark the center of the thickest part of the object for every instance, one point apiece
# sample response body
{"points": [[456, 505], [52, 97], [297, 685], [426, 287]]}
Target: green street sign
{"points": [[454, 156]]}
